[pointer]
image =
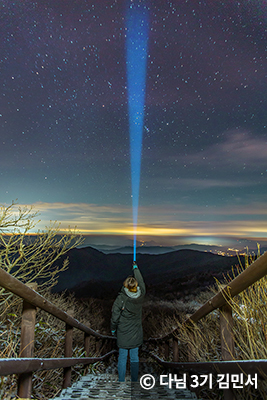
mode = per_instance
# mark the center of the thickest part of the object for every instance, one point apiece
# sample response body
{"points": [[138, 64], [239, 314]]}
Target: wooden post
{"points": [[110, 345], [27, 344], [166, 350], [86, 344], [190, 349], [175, 350], [98, 346], [67, 353], [227, 341], [226, 333]]}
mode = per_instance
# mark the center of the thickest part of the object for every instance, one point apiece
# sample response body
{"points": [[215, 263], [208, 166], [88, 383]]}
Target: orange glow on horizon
{"points": [[161, 221], [227, 231]]}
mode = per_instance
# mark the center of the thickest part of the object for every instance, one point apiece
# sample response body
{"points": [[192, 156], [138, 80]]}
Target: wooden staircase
{"points": [[106, 387]]}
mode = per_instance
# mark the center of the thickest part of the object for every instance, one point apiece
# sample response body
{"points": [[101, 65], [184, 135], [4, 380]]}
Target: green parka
{"points": [[126, 317]]}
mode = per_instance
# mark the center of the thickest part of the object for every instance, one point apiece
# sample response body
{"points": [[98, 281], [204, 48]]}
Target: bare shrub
{"points": [[32, 258], [49, 342], [250, 331]]}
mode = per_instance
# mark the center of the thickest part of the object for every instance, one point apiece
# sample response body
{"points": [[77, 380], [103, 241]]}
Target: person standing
{"points": [[126, 322]]}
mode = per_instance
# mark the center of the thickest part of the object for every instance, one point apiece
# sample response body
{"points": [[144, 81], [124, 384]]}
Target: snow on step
{"points": [[107, 387]]}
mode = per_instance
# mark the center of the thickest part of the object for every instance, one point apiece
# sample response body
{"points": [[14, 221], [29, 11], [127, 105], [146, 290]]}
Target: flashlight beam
{"points": [[136, 46]]}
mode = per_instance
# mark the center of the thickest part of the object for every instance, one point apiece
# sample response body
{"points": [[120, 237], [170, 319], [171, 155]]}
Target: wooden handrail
{"points": [[254, 272], [24, 365], [223, 367], [15, 286]]}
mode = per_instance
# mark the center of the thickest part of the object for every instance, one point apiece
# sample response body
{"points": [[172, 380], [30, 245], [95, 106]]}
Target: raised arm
{"points": [[139, 278]]}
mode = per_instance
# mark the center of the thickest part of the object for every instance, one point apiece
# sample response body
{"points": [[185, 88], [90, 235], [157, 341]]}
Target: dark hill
{"points": [[92, 273]]}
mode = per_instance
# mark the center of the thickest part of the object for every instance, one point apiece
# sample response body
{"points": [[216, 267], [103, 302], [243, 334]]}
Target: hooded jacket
{"points": [[126, 317]]}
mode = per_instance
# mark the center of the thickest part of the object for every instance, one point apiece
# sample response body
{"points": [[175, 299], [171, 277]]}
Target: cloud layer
{"points": [[155, 221]]}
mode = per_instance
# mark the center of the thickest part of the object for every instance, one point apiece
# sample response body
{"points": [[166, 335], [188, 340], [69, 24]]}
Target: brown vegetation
{"points": [[159, 316], [250, 333]]}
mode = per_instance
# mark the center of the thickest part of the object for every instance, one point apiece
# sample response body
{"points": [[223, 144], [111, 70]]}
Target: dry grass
{"points": [[159, 318], [250, 333], [32, 258], [49, 341]]}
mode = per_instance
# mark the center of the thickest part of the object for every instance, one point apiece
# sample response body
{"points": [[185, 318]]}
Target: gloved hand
{"points": [[135, 265], [113, 333]]}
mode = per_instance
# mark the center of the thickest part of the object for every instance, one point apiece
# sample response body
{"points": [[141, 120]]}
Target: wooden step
{"points": [[107, 387]]}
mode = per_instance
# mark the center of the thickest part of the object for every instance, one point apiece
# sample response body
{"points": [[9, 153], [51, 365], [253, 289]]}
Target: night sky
{"points": [[65, 128]]}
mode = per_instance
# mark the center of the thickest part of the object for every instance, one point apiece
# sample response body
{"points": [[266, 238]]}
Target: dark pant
{"points": [[134, 360]]}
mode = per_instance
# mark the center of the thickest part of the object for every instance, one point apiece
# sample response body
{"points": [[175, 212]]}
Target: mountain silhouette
{"points": [[92, 273], [154, 249]]}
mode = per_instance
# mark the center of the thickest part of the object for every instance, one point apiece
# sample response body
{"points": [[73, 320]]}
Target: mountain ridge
{"points": [[155, 249], [92, 271]]}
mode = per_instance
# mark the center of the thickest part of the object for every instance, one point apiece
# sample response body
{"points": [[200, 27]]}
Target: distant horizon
{"points": [[113, 241], [65, 126], [109, 226], [163, 225]]}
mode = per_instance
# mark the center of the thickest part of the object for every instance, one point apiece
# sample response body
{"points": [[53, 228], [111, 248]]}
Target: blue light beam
{"points": [[136, 53]]}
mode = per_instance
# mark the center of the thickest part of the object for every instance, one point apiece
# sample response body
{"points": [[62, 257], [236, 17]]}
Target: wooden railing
{"points": [[169, 342], [26, 364]]}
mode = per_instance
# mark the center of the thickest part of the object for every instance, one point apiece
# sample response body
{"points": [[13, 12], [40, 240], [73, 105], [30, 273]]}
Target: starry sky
{"points": [[64, 126]]}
